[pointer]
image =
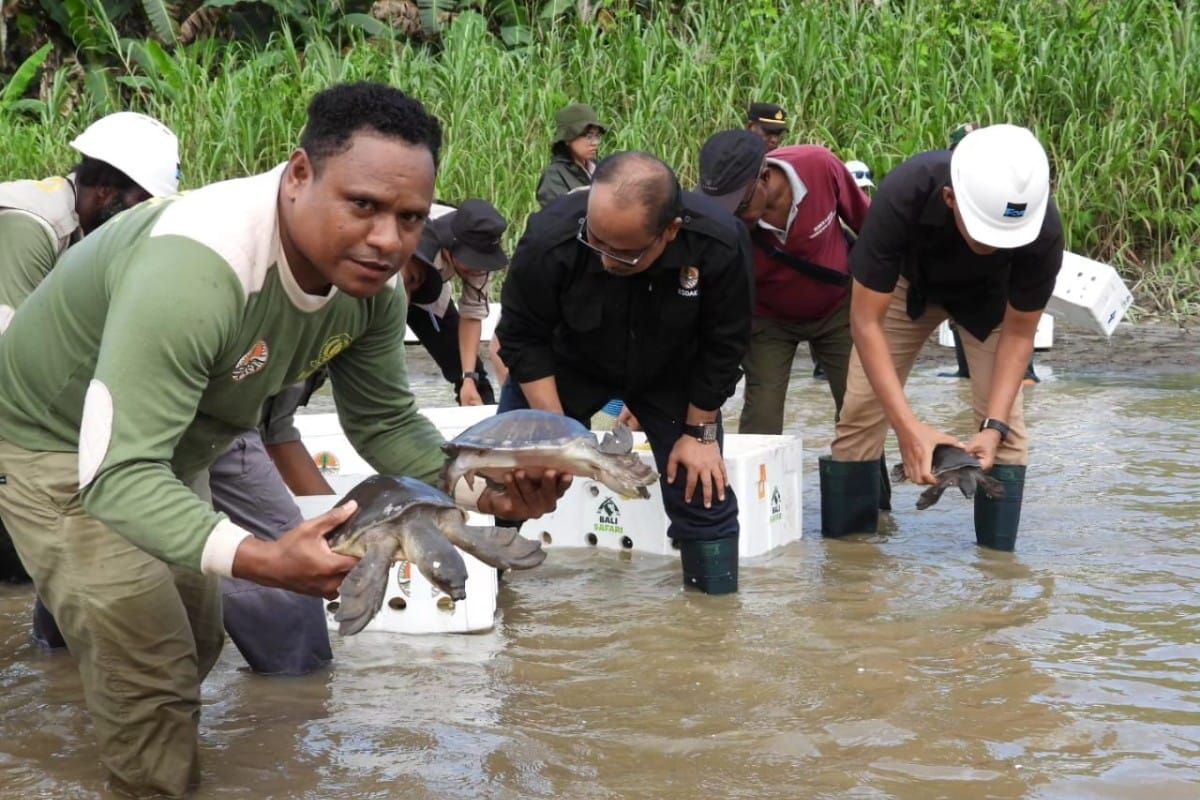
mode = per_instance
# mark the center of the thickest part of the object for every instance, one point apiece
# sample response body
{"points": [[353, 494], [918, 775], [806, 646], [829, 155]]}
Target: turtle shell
{"points": [[518, 430], [385, 497], [947, 458]]}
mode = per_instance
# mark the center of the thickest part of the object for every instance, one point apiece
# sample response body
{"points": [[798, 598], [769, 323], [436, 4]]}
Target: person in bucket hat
{"points": [[573, 154]]}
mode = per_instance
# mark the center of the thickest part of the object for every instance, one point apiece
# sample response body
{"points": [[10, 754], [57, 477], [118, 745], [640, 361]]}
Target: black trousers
{"points": [[689, 521], [440, 338]]}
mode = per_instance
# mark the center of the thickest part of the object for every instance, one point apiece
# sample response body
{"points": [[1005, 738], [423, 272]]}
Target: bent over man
{"points": [[634, 289], [150, 346], [973, 235]]}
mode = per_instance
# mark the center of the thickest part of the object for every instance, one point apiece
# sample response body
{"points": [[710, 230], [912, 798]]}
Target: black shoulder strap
{"points": [[814, 271]]}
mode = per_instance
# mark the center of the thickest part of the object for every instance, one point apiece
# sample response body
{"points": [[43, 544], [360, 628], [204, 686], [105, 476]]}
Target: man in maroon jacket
{"points": [[793, 200]]}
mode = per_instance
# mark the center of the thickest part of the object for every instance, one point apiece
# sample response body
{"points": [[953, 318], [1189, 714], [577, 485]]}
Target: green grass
{"points": [[1110, 88]]}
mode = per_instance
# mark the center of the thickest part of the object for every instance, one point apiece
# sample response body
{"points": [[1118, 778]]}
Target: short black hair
{"points": [[93, 173], [339, 112], [645, 180]]}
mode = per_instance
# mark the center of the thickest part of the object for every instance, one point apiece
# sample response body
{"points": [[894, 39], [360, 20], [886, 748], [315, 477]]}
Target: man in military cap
{"points": [[768, 121]]}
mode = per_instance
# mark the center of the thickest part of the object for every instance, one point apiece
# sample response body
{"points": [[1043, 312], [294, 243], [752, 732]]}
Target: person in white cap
{"points": [[972, 235], [863, 177], [127, 158]]}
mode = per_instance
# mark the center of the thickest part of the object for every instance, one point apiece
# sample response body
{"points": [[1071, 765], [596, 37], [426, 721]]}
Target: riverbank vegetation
{"points": [[1110, 88]]}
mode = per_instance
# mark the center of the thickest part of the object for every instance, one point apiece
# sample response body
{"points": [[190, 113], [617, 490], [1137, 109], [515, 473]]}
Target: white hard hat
{"points": [[1001, 181], [140, 146], [862, 174]]}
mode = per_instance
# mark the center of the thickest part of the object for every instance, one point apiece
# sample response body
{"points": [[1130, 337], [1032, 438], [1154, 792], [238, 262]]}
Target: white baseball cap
{"points": [[862, 174]]}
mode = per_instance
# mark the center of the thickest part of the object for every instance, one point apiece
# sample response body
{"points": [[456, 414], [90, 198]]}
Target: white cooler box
{"points": [[764, 472], [1043, 337], [1090, 294], [412, 604]]}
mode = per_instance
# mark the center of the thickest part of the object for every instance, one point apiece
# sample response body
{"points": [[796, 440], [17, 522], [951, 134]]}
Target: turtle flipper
{"points": [[362, 590], [618, 441], [498, 547], [930, 496], [426, 547], [992, 487]]}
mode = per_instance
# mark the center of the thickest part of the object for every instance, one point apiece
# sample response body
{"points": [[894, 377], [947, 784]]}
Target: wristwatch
{"points": [[705, 432], [998, 426], [472, 375]]}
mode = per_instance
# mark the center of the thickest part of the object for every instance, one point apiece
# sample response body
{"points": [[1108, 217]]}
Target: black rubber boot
{"points": [[960, 355], [996, 521], [885, 485], [710, 566], [45, 629], [850, 496], [1030, 374]]}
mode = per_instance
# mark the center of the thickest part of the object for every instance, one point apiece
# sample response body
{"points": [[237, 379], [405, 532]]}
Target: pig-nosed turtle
{"points": [[953, 466], [526, 438], [404, 519]]}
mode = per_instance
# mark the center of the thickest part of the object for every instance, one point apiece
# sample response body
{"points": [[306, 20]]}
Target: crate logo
{"points": [[776, 505], [327, 463], [762, 481], [608, 517]]}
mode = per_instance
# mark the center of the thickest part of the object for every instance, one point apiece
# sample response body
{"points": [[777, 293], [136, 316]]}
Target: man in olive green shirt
{"points": [[154, 342], [127, 158]]}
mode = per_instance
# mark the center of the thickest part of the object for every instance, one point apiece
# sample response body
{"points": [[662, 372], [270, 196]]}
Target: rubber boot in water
{"points": [[850, 492], [996, 521], [45, 629], [710, 566], [960, 356], [885, 485]]}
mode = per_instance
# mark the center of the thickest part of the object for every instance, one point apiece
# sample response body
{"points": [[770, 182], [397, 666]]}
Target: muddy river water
{"points": [[907, 665]]}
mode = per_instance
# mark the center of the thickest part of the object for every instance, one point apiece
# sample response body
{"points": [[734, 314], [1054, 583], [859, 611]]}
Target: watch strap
{"points": [[997, 426], [706, 432]]}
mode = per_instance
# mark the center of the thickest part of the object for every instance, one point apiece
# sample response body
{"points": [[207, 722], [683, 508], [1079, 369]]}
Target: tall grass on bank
{"points": [[1110, 88]]}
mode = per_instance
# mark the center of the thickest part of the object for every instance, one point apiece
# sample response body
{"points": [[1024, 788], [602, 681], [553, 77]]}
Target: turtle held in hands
{"points": [[953, 466], [528, 439], [405, 519]]}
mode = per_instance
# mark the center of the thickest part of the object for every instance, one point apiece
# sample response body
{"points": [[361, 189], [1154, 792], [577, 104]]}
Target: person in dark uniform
{"points": [[458, 244], [768, 121], [635, 289], [975, 236]]}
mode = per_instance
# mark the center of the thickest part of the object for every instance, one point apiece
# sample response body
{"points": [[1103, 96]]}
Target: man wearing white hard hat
{"points": [[972, 235], [127, 158]]}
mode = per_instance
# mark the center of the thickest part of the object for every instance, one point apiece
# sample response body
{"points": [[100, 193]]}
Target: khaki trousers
{"points": [[862, 427], [768, 365], [145, 634]]}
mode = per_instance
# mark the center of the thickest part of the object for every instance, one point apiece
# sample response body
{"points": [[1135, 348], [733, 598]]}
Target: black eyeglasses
{"points": [[630, 259]]}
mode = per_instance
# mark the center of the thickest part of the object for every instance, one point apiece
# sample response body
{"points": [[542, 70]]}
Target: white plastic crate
{"points": [[1090, 294], [1043, 337], [412, 604], [764, 472]]}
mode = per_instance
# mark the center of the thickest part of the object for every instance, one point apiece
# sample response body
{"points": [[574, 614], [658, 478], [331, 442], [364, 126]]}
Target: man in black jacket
{"points": [[636, 290]]}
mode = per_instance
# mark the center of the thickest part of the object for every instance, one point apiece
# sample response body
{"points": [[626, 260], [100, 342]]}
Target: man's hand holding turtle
{"points": [[526, 494]]}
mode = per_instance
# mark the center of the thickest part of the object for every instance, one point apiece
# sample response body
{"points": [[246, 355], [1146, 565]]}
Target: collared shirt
{"points": [[673, 334], [824, 196], [910, 231], [37, 223]]}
